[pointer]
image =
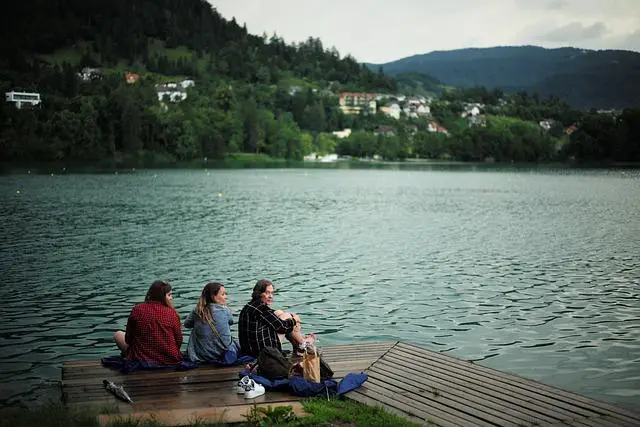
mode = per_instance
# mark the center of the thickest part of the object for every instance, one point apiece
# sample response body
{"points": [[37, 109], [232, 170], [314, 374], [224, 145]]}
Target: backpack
{"points": [[272, 364]]}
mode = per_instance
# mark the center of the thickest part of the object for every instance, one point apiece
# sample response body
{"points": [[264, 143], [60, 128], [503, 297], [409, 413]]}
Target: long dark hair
{"points": [[158, 292], [260, 287], [202, 308]]}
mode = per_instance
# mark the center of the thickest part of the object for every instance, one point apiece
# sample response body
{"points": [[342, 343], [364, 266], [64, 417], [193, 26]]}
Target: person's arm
{"points": [[190, 320], [129, 334], [230, 314], [280, 326], [221, 320], [177, 330]]}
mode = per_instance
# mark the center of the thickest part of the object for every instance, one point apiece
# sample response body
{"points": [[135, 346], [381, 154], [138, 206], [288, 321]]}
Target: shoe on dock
{"points": [[253, 390]]}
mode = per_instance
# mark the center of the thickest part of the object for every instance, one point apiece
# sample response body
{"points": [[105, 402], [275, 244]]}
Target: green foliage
{"points": [[605, 138], [350, 413], [270, 416], [254, 95], [132, 422], [241, 102], [419, 84], [325, 143], [51, 414]]}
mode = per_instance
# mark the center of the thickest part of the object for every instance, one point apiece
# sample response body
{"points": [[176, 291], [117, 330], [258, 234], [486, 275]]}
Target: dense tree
{"points": [[255, 94]]}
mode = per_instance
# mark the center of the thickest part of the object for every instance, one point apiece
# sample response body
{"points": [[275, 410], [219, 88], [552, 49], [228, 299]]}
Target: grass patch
{"points": [[348, 413], [50, 415], [130, 422], [158, 47], [71, 54], [332, 413]]}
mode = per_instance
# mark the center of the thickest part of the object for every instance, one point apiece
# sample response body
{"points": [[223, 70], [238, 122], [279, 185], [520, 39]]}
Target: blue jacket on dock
{"points": [[205, 345]]}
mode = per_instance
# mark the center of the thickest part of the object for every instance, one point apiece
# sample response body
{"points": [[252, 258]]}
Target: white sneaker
{"points": [[242, 385], [254, 390]]}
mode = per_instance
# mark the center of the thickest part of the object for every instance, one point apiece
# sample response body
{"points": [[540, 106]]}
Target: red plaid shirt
{"points": [[154, 334]]}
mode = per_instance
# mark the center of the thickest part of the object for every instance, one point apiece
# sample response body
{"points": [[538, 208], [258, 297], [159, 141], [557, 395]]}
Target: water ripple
{"points": [[532, 273]]}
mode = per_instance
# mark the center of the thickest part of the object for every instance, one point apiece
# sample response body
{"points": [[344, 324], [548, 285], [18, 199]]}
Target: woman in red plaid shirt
{"points": [[154, 332]]}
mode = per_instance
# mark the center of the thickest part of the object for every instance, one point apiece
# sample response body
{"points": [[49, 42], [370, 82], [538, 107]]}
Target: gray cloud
{"points": [[539, 5], [632, 41], [405, 27], [557, 4], [574, 32]]}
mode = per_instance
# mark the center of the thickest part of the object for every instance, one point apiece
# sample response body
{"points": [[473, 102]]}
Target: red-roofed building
{"points": [[571, 129], [131, 77], [437, 127]]}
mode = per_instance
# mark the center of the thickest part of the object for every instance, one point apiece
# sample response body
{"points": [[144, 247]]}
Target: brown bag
{"points": [[311, 366]]}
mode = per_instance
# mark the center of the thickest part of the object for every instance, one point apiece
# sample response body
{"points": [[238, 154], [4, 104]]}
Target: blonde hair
{"points": [[203, 310]]}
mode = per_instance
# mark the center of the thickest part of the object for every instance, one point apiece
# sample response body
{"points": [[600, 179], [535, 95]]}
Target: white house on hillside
{"points": [[471, 109], [89, 73], [392, 110], [344, 133], [174, 94], [19, 98]]}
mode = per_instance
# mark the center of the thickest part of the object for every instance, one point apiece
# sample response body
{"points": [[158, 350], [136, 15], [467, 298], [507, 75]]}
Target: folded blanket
{"points": [[231, 358], [126, 366], [298, 386]]}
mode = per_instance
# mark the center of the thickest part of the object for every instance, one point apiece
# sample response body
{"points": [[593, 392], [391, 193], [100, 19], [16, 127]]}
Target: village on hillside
{"points": [[389, 105]]}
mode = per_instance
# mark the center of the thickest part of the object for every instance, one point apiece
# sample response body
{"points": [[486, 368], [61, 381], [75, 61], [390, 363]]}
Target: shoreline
{"points": [[263, 162]]}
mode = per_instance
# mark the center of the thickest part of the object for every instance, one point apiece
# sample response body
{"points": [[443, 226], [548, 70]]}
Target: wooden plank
{"points": [[357, 396], [516, 391], [479, 388], [205, 398], [370, 344], [404, 409], [141, 390], [180, 417], [87, 370], [402, 379], [366, 400], [567, 396], [427, 402], [97, 371], [178, 384], [463, 390], [192, 376], [444, 392]]}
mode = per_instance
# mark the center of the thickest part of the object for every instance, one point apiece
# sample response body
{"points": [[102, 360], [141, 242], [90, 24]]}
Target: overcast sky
{"points": [[384, 30]]}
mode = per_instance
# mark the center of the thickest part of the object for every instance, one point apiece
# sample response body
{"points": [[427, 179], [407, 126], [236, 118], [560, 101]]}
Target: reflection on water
{"points": [[533, 272]]}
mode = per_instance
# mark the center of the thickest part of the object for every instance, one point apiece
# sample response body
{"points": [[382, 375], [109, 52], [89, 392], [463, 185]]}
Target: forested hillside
{"points": [[243, 100], [244, 93]]}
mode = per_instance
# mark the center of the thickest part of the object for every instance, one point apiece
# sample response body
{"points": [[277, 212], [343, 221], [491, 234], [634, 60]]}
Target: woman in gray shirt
{"points": [[211, 321]]}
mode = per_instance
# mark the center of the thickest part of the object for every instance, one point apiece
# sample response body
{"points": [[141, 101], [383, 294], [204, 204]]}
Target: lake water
{"points": [[529, 271]]}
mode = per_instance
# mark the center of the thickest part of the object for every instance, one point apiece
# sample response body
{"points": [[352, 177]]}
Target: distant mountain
{"points": [[584, 78]]}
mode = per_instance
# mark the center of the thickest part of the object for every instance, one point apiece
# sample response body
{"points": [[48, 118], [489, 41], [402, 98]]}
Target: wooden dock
{"points": [[418, 384]]}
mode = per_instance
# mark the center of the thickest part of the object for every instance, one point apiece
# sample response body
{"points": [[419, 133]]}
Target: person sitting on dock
{"points": [[259, 325], [211, 322], [153, 333]]}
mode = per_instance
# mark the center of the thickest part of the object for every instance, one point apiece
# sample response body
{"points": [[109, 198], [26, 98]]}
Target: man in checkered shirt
{"points": [[259, 325]]}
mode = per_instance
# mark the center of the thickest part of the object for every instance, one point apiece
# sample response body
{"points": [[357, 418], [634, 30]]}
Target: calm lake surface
{"points": [[534, 272]]}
